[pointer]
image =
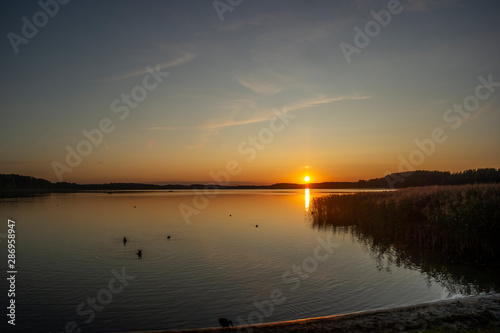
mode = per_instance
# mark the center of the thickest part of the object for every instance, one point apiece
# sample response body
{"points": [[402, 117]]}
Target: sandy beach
{"points": [[453, 314]]}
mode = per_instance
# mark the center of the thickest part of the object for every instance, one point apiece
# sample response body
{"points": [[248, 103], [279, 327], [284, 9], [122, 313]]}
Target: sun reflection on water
{"points": [[306, 198]]}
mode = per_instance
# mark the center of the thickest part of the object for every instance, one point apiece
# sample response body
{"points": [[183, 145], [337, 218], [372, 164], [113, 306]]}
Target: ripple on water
{"points": [[290, 310]]}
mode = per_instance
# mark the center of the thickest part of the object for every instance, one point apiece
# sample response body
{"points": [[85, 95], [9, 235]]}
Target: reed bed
{"points": [[463, 222]]}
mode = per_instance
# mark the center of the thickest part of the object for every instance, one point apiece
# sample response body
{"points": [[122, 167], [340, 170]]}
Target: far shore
{"points": [[462, 314]]}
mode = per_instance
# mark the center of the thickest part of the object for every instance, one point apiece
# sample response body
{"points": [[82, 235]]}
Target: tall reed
{"points": [[463, 222]]}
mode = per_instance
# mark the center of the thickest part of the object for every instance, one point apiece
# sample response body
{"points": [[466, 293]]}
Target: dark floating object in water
{"points": [[224, 322], [135, 206], [256, 225], [230, 215], [124, 240], [139, 253], [168, 237]]}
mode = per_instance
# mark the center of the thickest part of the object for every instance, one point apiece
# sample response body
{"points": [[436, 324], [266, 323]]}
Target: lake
{"points": [[74, 270]]}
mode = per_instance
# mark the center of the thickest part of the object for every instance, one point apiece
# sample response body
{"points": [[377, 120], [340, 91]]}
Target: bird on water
{"points": [[139, 253], [224, 322]]}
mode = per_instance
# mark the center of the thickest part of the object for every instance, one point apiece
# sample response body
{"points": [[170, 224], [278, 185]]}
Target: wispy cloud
{"points": [[323, 99], [298, 106], [231, 122], [217, 123], [265, 81], [259, 87], [187, 57], [240, 24], [266, 115]]}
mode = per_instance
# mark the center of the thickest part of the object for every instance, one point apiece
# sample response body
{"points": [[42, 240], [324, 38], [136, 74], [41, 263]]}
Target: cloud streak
{"points": [[322, 99], [260, 88], [176, 62], [266, 116], [241, 24]]}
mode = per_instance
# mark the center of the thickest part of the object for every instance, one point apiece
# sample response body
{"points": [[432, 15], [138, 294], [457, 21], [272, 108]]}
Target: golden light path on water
{"points": [[307, 199]]}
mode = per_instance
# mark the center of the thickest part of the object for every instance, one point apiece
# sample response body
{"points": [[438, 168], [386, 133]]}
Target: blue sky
{"points": [[352, 120]]}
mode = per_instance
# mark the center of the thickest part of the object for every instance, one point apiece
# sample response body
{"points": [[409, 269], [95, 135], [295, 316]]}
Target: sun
{"points": [[307, 178]]}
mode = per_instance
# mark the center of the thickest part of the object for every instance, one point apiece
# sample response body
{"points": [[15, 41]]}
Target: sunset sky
{"points": [[355, 85]]}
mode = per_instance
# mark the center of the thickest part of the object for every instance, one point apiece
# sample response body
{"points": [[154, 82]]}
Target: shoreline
{"points": [[452, 314]]}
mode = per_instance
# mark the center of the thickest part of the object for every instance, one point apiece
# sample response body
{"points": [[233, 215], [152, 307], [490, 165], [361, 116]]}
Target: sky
{"points": [[247, 92]]}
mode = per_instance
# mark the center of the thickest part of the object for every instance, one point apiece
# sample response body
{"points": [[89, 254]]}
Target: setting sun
{"points": [[307, 178]]}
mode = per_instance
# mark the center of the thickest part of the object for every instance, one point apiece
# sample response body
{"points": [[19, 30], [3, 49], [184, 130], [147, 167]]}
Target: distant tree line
{"points": [[412, 179], [12, 184], [427, 178], [18, 182]]}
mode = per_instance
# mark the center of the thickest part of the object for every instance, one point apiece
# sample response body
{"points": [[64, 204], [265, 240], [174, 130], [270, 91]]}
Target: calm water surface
{"points": [[218, 264]]}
